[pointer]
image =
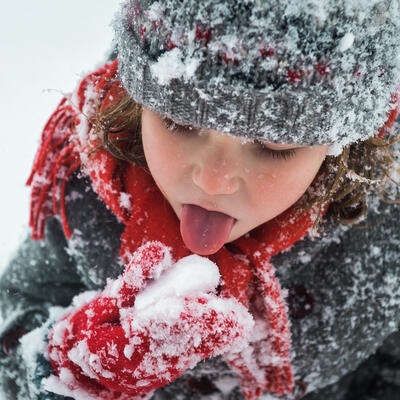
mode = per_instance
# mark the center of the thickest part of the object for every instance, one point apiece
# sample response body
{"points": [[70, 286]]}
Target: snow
{"points": [[55, 385], [170, 66], [334, 150], [88, 110], [155, 11], [142, 267], [41, 60], [346, 42], [226, 384], [190, 275], [177, 326], [59, 332], [125, 201], [84, 298], [33, 343], [89, 363]]}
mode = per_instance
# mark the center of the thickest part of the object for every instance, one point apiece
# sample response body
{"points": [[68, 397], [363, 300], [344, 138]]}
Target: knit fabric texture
{"points": [[289, 71]]}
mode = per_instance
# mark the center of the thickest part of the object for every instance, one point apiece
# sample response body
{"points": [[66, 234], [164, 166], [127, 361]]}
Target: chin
{"points": [[234, 235]]}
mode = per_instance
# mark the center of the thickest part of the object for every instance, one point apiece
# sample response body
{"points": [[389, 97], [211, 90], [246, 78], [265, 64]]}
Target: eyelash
{"points": [[285, 154], [185, 129], [174, 127]]}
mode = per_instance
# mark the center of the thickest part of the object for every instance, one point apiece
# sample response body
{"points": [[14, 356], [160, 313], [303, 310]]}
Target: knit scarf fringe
{"points": [[55, 161]]}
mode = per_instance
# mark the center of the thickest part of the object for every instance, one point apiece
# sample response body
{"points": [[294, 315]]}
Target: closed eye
{"points": [[174, 127], [277, 154], [262, 149]]}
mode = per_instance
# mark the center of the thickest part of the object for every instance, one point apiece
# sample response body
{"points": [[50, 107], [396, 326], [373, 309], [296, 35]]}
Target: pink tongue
{"points": [[204, 232]]}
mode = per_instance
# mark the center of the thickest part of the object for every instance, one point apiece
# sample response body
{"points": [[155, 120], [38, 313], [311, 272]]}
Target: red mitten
{"points": [[147, 327]]}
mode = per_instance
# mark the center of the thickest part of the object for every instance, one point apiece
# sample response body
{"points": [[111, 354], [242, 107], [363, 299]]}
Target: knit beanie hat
{"points": [[288, 71]]}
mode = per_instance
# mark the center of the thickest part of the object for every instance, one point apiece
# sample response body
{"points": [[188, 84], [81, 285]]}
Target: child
{"points": [[196, 209]]}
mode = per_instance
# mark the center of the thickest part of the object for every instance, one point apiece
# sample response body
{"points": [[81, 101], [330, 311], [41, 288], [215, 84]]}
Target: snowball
{"points": [[190, 275]]}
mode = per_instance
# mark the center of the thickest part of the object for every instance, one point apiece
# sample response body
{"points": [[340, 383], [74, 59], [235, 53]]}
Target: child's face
{"points": [[220, 173]]}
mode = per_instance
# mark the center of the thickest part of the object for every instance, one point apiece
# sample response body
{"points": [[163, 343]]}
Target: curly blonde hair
{"points": [[361, 167]]}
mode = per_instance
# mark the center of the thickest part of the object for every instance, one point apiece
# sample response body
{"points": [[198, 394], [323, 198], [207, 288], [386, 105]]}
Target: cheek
{"points": [[280, 185], [274, 191], [165, 159]]}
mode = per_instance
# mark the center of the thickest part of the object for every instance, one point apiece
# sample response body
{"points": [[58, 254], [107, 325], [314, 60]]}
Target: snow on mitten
{"points": [[147, 327]]}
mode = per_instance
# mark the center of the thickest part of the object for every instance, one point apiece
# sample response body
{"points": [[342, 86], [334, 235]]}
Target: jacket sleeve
{"points": [[40, 274], [353, 286]]}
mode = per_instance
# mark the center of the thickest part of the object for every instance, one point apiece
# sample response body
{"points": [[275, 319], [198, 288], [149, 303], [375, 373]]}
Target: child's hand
{"points": [[146, 328]]}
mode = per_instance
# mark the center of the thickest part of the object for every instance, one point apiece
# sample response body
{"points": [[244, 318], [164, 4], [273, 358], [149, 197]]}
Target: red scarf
{"points": [[244, 264]]}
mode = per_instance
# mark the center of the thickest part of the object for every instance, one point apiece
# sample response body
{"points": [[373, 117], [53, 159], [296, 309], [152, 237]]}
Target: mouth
{"points": [[209, 209]]}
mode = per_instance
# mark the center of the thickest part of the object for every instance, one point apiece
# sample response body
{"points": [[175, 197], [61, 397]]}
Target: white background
{"points": [[45, 47]]}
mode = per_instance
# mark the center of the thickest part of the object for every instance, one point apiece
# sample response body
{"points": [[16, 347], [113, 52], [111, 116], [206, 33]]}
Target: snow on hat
{"points": [[289, 71]]}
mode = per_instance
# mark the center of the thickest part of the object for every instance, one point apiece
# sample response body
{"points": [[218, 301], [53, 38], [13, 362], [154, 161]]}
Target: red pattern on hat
{"points": [[245, 267]]}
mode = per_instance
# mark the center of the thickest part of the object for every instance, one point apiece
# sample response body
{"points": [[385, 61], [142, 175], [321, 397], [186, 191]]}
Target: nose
{"points": [[216, 173]]}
